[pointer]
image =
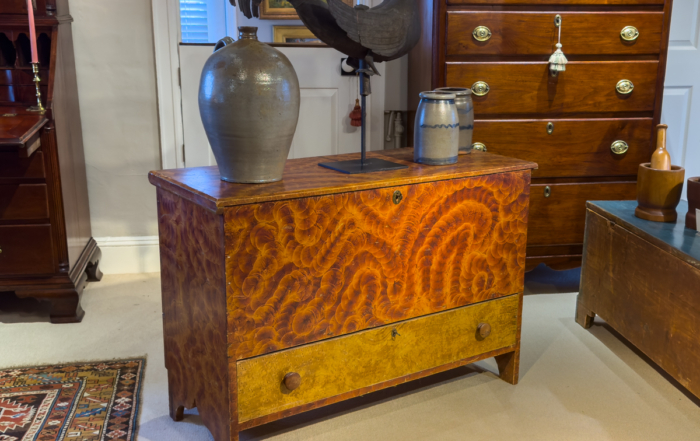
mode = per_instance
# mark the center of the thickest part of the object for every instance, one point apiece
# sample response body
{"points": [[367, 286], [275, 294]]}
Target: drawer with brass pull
{"points": [[557, 211], [306, 374], [585, 87], [472, 33], [565, 148], [26, 249]]}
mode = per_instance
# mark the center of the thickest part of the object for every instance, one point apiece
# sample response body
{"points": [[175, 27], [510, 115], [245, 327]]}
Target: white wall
{"points": [[115, 66]]}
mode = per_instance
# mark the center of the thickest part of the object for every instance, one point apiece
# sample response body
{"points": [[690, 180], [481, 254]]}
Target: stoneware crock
{"points": [[693, 202], [465, 110], [436, 134], [249, 104]]}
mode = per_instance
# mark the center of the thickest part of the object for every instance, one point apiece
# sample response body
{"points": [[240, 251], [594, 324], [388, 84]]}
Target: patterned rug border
{"points": [[138, 397]]}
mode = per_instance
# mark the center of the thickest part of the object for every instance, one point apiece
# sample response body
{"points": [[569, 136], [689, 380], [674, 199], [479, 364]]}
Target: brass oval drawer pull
{"points": [[629, 33], [624, 87], [397, 197], [619, 147], [481, 33], [480, 88], [292, 380], [484, 330], [479, 146], [547, 191]]}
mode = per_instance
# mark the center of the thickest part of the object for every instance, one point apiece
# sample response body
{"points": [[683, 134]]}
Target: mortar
{"points": [[659, 192]]}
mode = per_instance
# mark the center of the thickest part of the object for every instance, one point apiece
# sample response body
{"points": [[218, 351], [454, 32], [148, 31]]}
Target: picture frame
{"points": [[282, 10], [294, 35], [277, 10]]}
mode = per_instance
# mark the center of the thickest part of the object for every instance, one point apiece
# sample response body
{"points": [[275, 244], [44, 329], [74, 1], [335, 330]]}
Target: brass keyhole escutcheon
{"points": [[0, 250], [629, 33], [480, 88], [547, 191], [619, 147], [479, 146], [481, 33], [550, 128], [557, 20], [397, 197], [624, 87]]}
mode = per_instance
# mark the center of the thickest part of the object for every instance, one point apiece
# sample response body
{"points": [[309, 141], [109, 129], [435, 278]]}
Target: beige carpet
{"points": [[575, 384]]}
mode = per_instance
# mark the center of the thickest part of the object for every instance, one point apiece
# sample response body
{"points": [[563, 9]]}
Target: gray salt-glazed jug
{"points": [[249, 104], [436, 134], [465, 109]]}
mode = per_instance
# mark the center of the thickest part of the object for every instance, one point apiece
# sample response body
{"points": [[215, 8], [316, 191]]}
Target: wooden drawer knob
{"points": [[484, 330], [292, 380]]}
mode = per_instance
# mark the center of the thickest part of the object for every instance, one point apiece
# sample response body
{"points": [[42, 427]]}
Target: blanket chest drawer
{"points": [[533, 33], [360, 360]]}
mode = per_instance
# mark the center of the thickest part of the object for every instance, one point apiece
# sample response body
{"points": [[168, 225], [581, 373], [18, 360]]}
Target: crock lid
{"points": [[459, 91], [438, 95]]}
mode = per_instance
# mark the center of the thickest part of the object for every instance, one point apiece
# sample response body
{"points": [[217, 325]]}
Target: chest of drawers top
{"points": [[305, 178]]}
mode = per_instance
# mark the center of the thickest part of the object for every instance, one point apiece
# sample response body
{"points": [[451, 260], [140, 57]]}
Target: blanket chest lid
{"points": [[673, 237], [305, 178]]}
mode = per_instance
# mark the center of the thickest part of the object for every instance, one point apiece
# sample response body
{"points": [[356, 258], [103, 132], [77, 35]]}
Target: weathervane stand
{"points": [[363, 165]]}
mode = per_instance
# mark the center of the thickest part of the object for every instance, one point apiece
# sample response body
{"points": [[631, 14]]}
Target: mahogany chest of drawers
{"points": [[280, 298], [46, 247], [584, 127]]}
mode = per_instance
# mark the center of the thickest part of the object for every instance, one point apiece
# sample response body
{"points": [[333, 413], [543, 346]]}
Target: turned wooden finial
{"points": [[661, 159]]}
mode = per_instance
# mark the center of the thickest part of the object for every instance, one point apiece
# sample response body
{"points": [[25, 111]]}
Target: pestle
{"points": [[661, 159]]}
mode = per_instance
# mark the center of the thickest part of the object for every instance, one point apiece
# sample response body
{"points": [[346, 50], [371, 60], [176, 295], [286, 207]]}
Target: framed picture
{"points": [[294, 35], [282, 10], [277, 10]]}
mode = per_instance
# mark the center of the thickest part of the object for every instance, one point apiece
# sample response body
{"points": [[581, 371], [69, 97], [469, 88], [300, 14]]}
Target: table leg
{"points": [[509, 366], [584, 316]]}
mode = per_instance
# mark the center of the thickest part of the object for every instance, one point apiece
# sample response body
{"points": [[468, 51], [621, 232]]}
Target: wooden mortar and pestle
{"points": [[659, 184]]}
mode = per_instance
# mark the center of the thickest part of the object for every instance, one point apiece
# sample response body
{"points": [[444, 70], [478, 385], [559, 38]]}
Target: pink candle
{"points": [[32, 31]]}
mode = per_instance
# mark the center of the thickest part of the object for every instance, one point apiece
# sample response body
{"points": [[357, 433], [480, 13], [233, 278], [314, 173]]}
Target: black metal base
{"points": [[355, 166]]}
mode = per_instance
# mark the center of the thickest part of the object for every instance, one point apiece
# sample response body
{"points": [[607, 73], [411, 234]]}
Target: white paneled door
{"points": [[326, 101], [681, 108]]}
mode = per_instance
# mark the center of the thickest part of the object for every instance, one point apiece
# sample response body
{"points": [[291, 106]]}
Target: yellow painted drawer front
{"points": [[351, 362]]}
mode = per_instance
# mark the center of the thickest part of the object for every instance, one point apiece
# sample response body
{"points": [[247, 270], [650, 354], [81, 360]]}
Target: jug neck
{"points": [[247, 33]]}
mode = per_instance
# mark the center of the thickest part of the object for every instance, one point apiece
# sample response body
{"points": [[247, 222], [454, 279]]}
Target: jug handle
{"points": [[223, 42]]}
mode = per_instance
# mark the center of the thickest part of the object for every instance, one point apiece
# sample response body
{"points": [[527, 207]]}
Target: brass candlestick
{"points": [[39, 108]]}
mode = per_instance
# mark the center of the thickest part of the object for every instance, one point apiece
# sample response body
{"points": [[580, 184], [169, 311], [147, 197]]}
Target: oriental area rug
{"points": [[81, 402]]}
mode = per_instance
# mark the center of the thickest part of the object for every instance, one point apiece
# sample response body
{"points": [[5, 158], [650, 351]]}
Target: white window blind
{"points": [[205, 21], [194, 21]]}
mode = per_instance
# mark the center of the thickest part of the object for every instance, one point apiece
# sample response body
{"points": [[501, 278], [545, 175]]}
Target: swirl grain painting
{"points": [[308, 269]]}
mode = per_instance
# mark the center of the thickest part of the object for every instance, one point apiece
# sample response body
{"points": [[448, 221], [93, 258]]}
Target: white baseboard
{"points": [[129, 255]]}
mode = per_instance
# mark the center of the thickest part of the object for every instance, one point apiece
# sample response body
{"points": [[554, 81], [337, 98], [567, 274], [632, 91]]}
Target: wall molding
{"points": [[166, 35], [129, 255]]}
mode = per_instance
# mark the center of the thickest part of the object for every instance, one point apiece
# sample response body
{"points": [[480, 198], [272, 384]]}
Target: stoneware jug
{"points": [[249, 104], [436, 134], [465, 110]]}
